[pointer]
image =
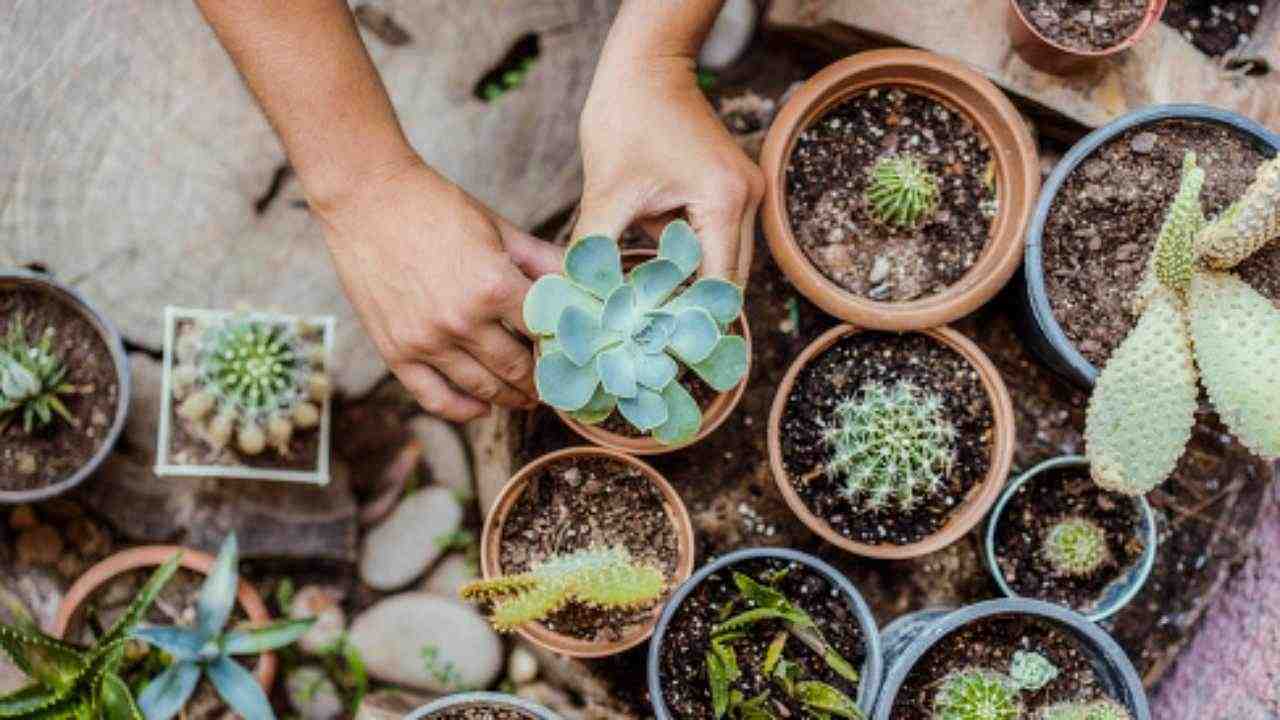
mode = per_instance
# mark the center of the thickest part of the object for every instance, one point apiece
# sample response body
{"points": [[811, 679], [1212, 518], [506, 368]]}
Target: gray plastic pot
{"points": [[1119, 592], [483, 698], [14, 278], [908, 638], [1038, 327], [872, 666]]}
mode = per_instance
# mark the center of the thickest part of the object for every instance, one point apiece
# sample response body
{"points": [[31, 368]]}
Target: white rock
{"points": [[522, 666], [450, 575], [401, 547], [316, 602], [313, 695], [427, 642], [730, 36], [444, 453]]}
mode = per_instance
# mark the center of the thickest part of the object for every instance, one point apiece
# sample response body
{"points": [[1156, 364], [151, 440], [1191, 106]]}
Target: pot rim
{"points": [[150, 556], [1121, 668], [980, 497], [872, 666], [1078, 369], [1131, 579], [110, 337], [992, 115], [485, 698], [1155, 8], [491, 536]]}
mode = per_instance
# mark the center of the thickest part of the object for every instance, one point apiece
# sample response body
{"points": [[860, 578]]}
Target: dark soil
{"points": [[50, 455], [1104, 221], [1216, 27], [990, 643], [590, 502], [1087, 25], [827, 179], [1032, 512], [885, 358], [481, 712], [682, 665]]}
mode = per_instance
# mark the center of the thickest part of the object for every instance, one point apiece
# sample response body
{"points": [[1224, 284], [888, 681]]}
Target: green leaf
{"points": [[757, 708], [239, 689], [695, 336], [836, 662], [719, 297], [684, 417], [115, 700], [680, 245], [218, 594], [617, 371], [597, 409], [252, 641], [141, 602], [725, 367], [774, 653], [182, 643], [655, 371], [718, 682], [547, 299], [594, 263], [580, 335], [29, 699], [822, 697], [46, 660], [166, 694], [654, 281], [645, 411], [759, 594], [562, 384], [760, 614]]}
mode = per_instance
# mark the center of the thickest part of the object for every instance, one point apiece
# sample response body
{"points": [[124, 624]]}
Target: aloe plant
{"points": [[208, 649], [32, 379], [610, 340], [1195, 321], [77, 683]]}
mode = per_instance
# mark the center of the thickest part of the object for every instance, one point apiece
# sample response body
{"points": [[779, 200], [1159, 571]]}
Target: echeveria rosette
{"points": [[614, 340]]}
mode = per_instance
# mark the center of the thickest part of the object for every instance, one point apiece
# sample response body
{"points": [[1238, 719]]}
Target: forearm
{"points": [[660, 29], [307, 66]]}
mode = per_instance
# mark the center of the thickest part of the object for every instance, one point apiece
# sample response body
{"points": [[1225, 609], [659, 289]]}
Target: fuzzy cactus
{"points": [[902, 191], [597, 577], [1076, 546], [1102, 709], [977, 694], [1143, 405], [890, 445], [32, 380], [256, 379], [1031, 671], [610, 340]]}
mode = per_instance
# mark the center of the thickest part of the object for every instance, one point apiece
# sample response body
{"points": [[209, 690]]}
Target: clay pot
{"points": [[491, 541], [1045, 54], [712, 417], [149, 557], [948, 81], [974, 507], [483, 700], [17, 279]]}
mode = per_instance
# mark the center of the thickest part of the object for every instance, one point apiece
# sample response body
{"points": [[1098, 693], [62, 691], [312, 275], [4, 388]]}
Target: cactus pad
{"points": [[1093, 710], [1250, 223]]}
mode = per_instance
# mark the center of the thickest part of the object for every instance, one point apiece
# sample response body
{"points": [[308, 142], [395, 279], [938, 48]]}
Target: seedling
{"points": [[32, 380]]}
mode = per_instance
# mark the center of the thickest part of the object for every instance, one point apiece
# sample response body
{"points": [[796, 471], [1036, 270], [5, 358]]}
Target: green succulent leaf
{"points": [[562, 384], [680, 245], [758, 593], [725, 367], [218, 594], [646, 410], [597, 409], [617, 371], [239, 689], [50, 662], [580, 335], [696, 334], [167, 693], [719, 297], [547, 299], [655, 372], [595, 264], [654, 331], [684, 417], [750, 617], [273, 636], [141, 602], [654, 281], [619, 315], [182, 643], [115, 700], [718, 682], [29, 699], [821, 697]]}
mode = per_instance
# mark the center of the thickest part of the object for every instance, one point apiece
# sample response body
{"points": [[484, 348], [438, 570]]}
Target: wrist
{"points": [[338, 181]]}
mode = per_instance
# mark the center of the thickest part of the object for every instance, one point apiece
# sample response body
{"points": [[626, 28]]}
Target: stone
{"points": [[312, 694], [522, 666], [427, 642], [39, 592], [405, 544], [323, 604], [879, 270], [444, 453], [40, 545], [1143, 142], [730, 36], [450, 574]]}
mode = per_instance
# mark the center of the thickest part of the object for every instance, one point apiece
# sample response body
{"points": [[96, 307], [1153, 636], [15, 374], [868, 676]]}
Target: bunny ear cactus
{"points": [[32, 379], [208, 649], [1143, 406], [1093, 710], [614, 340]]}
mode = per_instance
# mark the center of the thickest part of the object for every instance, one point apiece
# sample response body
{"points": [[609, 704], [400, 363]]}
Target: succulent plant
{"points": [[32, 379], [208, 649], [611, 340], [76, 683], [1076, 546], [1093, 710], [890, 445], [902, 191], [977, 694], [1031, 671], [598, 577], [1192, 315], [256, 378]]}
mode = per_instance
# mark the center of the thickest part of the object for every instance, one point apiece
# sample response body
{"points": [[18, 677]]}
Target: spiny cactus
{"points": [[902, 191], [1093, 710], [31, 379], [890, 445], [612, 341], [1143, 405], [596, 577], [977, 694], [1076, 546], [256, 378], [1031, 671]]}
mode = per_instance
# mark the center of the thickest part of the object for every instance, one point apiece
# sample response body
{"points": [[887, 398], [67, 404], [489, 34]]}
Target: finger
{"points": [[719, 227], [606, 213], [503, 355], [474, 379], [436, 396], [533, 256], [654, 225]]}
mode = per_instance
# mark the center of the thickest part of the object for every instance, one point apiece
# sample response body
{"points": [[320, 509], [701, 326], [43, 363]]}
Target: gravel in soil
{"points": [[51, 454], [886, 358], [1088, 25], [827, 178], [580, 503], [481, 712], [1216, 27], [1103, 224], [1032, 512], [682, 664], [989, 643]]}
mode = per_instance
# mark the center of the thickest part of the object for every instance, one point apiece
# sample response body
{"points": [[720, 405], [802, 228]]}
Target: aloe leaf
{"points": [[239, 689], [29, 699], [597, 409], [115, 700], [760, 614], [774, 653], [718, 682], [725, 367], [252, 641], [646, 411], [719, 297], [617, 371], [759, 594], [166, 694], [594, 263], [654, 281], [695, 337], [680, 245], [142, 601], [50, 662], [182, 643], [218, 594], [547, 299], [822, 697], [562, 384], [684, 417]]}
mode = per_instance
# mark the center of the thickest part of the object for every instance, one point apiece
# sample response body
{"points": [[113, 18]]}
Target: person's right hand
{"points": [[439, 281]]}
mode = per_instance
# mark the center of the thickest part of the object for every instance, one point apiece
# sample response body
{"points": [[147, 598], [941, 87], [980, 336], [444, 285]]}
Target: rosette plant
{"points": [[613, 340]]}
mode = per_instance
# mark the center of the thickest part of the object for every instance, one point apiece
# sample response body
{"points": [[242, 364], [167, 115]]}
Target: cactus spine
{"points": [[977, 694], [1076, 546], [902, 191]]}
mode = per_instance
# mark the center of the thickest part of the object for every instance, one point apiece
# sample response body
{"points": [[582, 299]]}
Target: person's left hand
{"points": [[653, 148]]}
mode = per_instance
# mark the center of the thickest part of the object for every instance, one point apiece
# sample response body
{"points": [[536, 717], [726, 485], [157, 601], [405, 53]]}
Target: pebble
{"points": [[522, 666], [313, 601], [444, 453], [1143, 143], [880, 292], [40, 545], [879, 270], [312, 694], [450, 575], [404, 545]]}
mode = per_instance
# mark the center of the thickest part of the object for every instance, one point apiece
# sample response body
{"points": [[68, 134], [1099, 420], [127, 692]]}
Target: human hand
{"points": [[438, 281]]}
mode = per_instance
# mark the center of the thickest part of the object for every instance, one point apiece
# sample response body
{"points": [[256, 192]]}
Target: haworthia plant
{"points": [[208, 649], [617, 341], [1192, 315], [32, 379]]}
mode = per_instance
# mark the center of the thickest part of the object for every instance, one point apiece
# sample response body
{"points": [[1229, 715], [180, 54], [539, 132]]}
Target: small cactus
{"points": [[1093, 710], [32, 380], [902, 191], [252, 378], [1076, 546], [597, 577], [890, 445], [1031, 671], [977, 694]]}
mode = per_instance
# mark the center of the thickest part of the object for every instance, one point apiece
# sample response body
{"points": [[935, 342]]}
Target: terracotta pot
{"points": [[491, 541], [712, 417], [1045, 54], [150, 557], [947, 81], [16, 279], [981, 496]]}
